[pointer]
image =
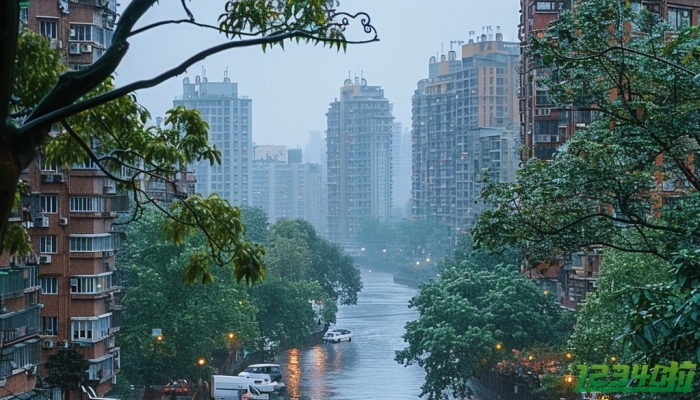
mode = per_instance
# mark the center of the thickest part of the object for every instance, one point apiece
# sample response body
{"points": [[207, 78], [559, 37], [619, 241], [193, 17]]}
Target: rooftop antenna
{"points": [[457, 42]]}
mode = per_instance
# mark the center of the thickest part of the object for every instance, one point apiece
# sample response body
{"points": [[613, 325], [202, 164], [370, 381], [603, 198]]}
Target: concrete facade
{"points": [[69, 214], [451, 107], [358, 140], [230, 119]]}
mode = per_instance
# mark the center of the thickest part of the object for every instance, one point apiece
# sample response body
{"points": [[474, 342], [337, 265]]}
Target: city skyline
{"points": [[292, 88]]}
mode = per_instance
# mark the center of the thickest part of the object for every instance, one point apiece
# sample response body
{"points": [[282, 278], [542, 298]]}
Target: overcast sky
{"points": [[292, 88]]}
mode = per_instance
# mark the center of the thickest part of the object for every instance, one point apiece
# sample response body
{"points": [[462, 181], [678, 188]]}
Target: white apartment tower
{"points": [[359, 158], [230, 119]]}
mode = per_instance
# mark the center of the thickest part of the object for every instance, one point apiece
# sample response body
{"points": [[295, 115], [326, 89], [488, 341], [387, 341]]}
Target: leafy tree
{"points": [[67, 369], [98, 122], [332, 269], [629, 181], [256, 222], [468, 311], [606, 315], [194, 320], [285, 316]]}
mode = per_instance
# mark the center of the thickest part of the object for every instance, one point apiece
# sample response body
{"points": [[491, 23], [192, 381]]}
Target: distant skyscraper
{"points": [[359, 158], [459, 98], [288, 189], [400, 165], [316, 154], [316, 149], [294, 156], [230, 119]]}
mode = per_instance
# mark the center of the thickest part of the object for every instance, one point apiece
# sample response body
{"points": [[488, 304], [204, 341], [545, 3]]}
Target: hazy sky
{"points": [[292, 88]]}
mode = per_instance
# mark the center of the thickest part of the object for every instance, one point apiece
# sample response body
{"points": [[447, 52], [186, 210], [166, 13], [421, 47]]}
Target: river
{"points": [[364, 368]]}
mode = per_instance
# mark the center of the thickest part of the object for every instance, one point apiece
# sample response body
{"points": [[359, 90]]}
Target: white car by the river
{"points": [[337, 336]]}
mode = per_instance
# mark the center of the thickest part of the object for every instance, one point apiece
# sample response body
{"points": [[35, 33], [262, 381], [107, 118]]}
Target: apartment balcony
{"points": [[17, 325]]}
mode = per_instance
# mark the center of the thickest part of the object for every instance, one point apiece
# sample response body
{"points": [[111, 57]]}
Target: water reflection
{"points": [[293, 373], [364, 368]]}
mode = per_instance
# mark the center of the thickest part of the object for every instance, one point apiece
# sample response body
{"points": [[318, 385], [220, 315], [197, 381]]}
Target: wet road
{"points": [[364, 368]]}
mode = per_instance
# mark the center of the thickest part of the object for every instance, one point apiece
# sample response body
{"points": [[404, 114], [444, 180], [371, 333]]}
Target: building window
{"points": [[49, 326], [547, 6], [91, 243], [49, 285], [88, 204], [81, 33], [49, 204], [91, 284], [678, 17], [48, 28], [24, 14], [91, 330], [48, 244]]}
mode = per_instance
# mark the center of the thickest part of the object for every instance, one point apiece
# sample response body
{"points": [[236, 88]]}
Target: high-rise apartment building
{"points": [[230, 119], [460, 96], [70, 214], [284, 187], [400, 166], [359, 158], [316, 154], [545, 126]]}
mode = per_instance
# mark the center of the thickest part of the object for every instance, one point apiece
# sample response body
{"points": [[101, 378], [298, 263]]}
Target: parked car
{"points": [[337, 336], [273, 370]]}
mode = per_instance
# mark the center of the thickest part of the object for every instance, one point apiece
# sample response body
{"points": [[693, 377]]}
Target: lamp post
{"points": [[201, 362], [156, 341]]}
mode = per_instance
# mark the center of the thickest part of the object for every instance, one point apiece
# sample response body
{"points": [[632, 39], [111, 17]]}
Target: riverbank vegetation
{"points": [[474, 310], [306, 279]]}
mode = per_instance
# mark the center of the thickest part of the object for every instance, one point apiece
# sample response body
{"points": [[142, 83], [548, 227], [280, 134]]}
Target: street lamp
{"points": [[158, 340], [201, 362]]}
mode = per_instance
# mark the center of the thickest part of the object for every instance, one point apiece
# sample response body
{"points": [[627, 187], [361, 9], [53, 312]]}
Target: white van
{"points": [[225, 387]]}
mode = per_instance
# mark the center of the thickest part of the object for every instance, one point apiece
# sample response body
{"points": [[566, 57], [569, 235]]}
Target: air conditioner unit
{"points": [[41, 222], [74, 48], [44, 259], [54, 43], [63, 221], [32, 370], [47, 178], [86, 48], [58, 178], [48, 344], [109, 189]]}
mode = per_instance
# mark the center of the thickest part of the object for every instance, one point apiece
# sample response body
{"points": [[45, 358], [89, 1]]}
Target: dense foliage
{"points": [[630, 180], [467, 311], [194, 320], [69, 117], [606, 315], [67, 369]]}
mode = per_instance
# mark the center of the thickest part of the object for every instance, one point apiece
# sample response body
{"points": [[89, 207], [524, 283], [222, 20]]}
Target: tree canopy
{"points": [[469, 310], [194, 320], [605, 317], [629, 181], [68, 117], [67, 369]]}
